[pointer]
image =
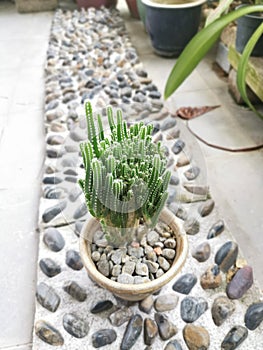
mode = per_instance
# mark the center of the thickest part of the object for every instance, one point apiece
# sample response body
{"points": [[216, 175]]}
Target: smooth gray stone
{"points": [[240, 283], [72, 179], [132, 332], [222, 308], [192, 308], [49, 334], [216, 229], [47, 297], [146, 304], [178, 146], [74, 194], [174, 180], [226, 255], [103, 337], [53, 239], [166, 328], [254, 316], [202, 252], [54, 153], [50, 213], [101, 306], [234, 338], [166, 302], [74, 290], [55, 140], [73, 260], [168, 123], [192, 226], [70, 172], [206, 207], [192, 173], [49, 267], [173, 345], [178, 211], [54, 193], [80, 211], [150, 331], [78, 227], [52, 180], [120, 316], [75, 326], [155, 94], [185, 283]]}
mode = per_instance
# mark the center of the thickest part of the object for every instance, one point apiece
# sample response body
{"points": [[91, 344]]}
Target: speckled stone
{"points": [[121, 316], [192, 226], [166, 302], [132, 332], [74, 290], [53, 239], [150, 331], [164, 264], [192, 308], [234, 338], [125, 278], [47, 297], [51, 212], [216, 229], [75, 326], [226, 255], [240, 283], [103, 337], [146, 304], [212, 278], [49, 334], [166, 328], [202, 252], [73, 260], [173, 345], [185, 283], [49, 267], [222, 308], [101, 306], [254, 316], [206, 207], [196, 337]]}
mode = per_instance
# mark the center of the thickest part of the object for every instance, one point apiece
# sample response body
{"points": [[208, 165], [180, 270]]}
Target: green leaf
{"points": [[243, 65], [198, 47], [218, 11]]}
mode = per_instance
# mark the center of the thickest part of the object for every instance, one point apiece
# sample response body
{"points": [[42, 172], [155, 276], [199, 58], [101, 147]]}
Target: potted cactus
{"points": [[125, 188]]}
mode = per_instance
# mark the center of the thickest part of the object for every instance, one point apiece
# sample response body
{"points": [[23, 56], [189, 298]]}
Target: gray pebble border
{"points": [[90, 56]]}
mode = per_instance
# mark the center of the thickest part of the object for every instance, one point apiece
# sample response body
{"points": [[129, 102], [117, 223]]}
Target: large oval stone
{"points": [[206, 207], [50, 213], [222, 309], [74, 290], [166, 328], [196, 337], [132, 332], [49, 267], [103, 337], [254, 316], [75, 326], [47, 297], [240, 283], [173, 345], [53, 239], [73, 260], [216, 229], [49, 334], [166, 302], [192, 308], [150, 331], [234, 338], [185, 283], [101, 306], [226, 256]]}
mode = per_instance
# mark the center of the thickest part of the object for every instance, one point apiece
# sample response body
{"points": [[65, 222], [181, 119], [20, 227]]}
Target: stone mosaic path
{"points": [[90, 56]]}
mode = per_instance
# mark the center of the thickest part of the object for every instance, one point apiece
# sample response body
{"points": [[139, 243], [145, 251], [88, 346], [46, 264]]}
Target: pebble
{"points": [[125, 278], [120, 316], [183, 160], [116, 270], [166, 328], [159, 273], [234, 338], [185, 283], [78, 227], [170, 243], [196, 189], [52, 180], [216, 229], [240, 283], [128, 267], [101, 306], [164, 264], [152, 266], [173, 345], [166, 302], [192, 308], [132, 332], [222, 309], [73, 260], [75, 326], [178, 210], [212, 278], [178, 146], [117, 256], [146, 304], [51, 212], [74, 290], [135, 251], [80, 211], [104, 268], [54, 153], [202, 252], [168, 253], [192, 226], [174, 180], [53, 239], [168, 123], [57, 127], [206, 207], [141, 269], [150, 331], [55, 140], [152, 237], [49, 334], [47, 297], [103, 337], [192, 173], [54, 193], [226, 255], [254, 316], [49, 267], [196, 337]]}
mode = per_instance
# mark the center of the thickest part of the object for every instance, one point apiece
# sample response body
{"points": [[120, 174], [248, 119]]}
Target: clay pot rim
{"points": [[148, 287]]}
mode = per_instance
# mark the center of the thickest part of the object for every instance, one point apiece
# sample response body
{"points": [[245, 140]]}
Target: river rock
{"points": [[47, 297], [49, 267], [75, 326], [202, 252], [192, 173], [183, 160], [168, 253], [152, 237], [49, 334], [206, 207], [120, 316], [103, 337], [240, 283], [74, 290], [52, 180], [125, 278], [178, 146], [216, 229], [53, 239], [254, 316], [222, 308], [80, 211], [132, 332], [168, 123], [73, 260], [101, 306], [55, 140], [185, 283], [173, 345], [166, 328], [150, 331], [196, 337], [191, 226], [141, 269], [226, 255], [234, 338], [51, 212], [192, 308], [212, 278], [166, 302], [146, 304], [174, 180], [178, 210], [164, 264]]}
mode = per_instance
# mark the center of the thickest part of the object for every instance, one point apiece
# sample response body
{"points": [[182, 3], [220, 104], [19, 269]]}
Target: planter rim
{"points": [[192, 3], [142, 287], [250, 15]]}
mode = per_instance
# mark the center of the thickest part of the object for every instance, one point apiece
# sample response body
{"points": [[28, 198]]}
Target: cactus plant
{"points": [[126, 178]]}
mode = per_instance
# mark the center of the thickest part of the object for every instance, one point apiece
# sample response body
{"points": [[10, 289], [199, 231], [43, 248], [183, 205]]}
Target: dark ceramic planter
{"points": [[96, 3], [246, 26], [132, 5], [171, 27]]}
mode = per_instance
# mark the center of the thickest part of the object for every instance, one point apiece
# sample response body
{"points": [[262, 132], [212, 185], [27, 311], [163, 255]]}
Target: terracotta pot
{"points": [[132, 5], [96, 3], [134, 292]]}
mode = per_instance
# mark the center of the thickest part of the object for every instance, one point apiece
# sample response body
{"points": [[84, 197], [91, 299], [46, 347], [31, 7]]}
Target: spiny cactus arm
{"points": [[92, 134], [111, 122], [149, 129], [159, 206], [108, 190], [166, 180], [120, 133], [97, 187], [100, 128]]}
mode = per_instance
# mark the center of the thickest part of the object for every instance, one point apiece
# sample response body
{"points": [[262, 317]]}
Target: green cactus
{"points": [[126, 178]]}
